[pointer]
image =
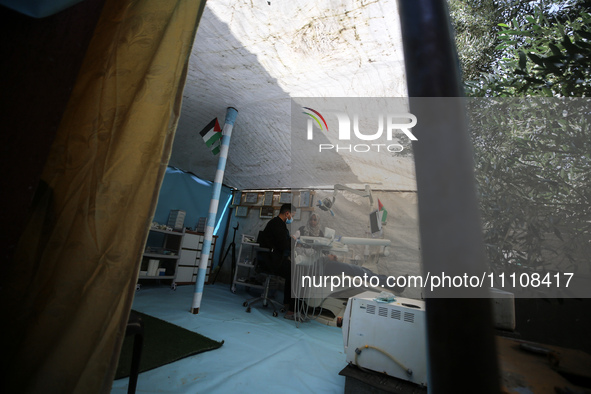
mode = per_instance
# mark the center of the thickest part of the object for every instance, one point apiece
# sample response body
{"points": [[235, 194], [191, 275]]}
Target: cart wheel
{"points": [[173, 286], [282, 310], [248, 310], [138, 287], [245, 303], [275, 313]]}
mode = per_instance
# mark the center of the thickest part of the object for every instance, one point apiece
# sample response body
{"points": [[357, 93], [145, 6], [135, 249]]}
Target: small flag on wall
{"points": [[212, 134], [383, 211]]}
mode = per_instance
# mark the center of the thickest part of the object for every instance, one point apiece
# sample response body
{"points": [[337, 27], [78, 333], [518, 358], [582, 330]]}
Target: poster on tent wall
{"points": [[237, 197], [268, 199]]}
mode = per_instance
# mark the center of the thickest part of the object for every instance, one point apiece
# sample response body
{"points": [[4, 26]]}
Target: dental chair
{"points": [[263, 265]]}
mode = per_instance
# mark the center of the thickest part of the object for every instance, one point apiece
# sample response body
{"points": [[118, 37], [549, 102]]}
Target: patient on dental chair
{"points": [[312, 227], [322, 280], [314, 249]]}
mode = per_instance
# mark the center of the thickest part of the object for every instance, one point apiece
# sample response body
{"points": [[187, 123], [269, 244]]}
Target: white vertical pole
{"points": [[231, 114]]}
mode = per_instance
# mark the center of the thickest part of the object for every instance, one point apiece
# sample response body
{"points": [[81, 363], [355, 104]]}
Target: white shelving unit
{"points": [[190, 257], [160, 258], [245, 263]]}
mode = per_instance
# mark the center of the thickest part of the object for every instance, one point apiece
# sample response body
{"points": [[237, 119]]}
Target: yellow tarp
{"points": [[75, 269]]}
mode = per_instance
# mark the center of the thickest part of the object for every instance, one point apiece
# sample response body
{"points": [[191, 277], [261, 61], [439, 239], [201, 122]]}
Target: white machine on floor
{"points": [[387, 337]]}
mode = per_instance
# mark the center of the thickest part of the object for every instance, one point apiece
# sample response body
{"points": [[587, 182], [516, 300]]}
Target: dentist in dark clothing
{"points": [[276, 237]]}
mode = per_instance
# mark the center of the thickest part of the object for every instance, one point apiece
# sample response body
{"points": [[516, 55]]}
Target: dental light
{"points": [[326, 203]]}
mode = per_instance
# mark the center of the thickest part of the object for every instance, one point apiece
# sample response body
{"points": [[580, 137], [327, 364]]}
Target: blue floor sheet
{"points": [[261, 353]]}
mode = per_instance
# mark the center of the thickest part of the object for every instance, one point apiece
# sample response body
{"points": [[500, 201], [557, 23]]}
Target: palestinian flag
{"points": [[212, 134], [382, 210]]}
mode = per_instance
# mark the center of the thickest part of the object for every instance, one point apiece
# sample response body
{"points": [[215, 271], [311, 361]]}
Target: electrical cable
{"points": [[400, 364], [302, 307]]}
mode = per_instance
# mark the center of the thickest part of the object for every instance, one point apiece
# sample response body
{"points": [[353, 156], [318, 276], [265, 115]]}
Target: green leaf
{"points": [[536, 59], [553, 59], [555, 50], [568, 45], [522, 60]]}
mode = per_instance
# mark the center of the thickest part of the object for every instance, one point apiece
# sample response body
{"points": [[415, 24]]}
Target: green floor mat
{"points": [[163, 343]]}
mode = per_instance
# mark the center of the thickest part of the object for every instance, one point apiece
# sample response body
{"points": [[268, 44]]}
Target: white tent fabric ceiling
{"points": [[257, 55]]}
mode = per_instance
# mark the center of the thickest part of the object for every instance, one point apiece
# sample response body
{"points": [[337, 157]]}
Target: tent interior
{"points": [[104, 103]]}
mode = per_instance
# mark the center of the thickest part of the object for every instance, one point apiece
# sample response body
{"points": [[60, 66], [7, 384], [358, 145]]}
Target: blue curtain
{"points": [[183, 190]]}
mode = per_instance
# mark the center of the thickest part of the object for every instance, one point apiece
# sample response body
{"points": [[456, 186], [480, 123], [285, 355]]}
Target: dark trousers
{"points": [[281, 266], [284, 270]]}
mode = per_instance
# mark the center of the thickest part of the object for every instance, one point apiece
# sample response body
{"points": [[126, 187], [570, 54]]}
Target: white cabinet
{"points": [[161, 255], [191, 256], [245, 265]]}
